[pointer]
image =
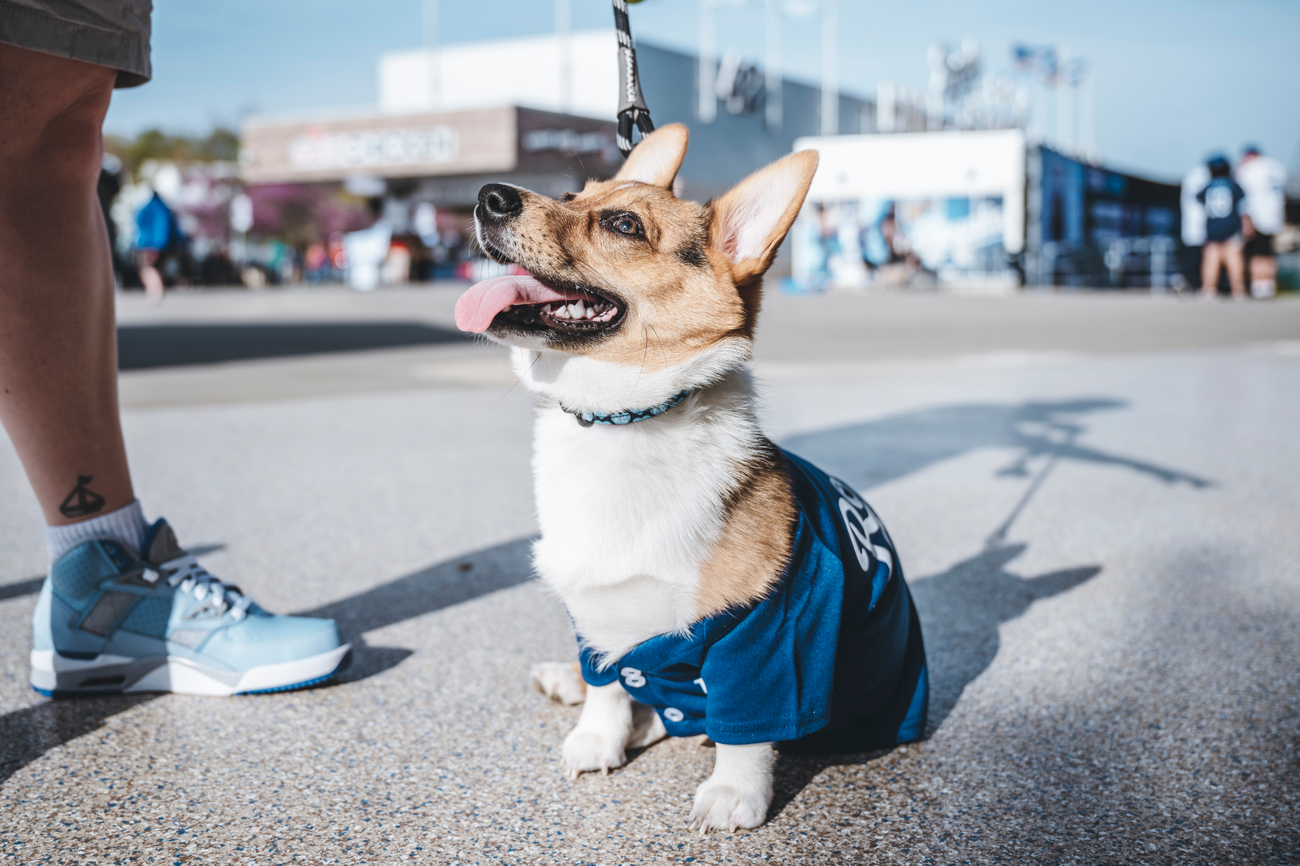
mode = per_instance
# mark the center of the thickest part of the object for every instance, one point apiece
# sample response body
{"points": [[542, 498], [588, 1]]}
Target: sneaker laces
{"points": [[185, 572]]}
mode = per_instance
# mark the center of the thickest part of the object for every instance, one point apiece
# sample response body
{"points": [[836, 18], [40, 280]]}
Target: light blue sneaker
{"points": [[107, 622]]}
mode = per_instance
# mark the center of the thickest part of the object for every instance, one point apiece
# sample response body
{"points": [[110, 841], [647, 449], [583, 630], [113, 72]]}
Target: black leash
{"points": [[631, 104]]}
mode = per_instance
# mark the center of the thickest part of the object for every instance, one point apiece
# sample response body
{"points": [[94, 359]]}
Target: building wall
{"points": [[723, 152], [528, 72]]}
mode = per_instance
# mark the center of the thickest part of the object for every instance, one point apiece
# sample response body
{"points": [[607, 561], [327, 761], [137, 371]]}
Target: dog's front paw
{"points": [[559, 681], [727, 806], [586, 750]]}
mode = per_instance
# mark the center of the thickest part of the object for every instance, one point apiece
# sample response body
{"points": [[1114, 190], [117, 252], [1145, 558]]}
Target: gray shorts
{"points": [[112, 33]]}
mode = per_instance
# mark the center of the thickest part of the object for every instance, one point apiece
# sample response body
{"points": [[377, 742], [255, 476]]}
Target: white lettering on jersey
{"points": [[700, 683], [861, 524], [1218, 202]]}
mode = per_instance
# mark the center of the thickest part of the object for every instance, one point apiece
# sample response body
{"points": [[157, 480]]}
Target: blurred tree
{"points": [[221, 144]]}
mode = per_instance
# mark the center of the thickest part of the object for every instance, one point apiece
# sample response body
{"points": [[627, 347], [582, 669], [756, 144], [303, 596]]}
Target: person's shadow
{"points": [[961, 608]]}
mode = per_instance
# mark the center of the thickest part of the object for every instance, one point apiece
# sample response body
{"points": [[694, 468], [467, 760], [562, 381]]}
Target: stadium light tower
{"points": [[773, 85], [431, 53], [708, 107], [564, 42], [830, 67]]}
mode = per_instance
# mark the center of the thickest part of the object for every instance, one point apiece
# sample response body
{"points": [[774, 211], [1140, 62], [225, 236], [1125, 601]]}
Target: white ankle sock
{"points": [[1263, 288], [126, 525]]}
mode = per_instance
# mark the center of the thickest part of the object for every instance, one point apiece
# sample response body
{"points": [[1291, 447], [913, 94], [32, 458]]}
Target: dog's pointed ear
{"points": [[657, 157], [751, 220]]}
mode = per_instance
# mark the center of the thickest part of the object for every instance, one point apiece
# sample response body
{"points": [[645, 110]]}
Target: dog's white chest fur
{"points": [[629, 514]]}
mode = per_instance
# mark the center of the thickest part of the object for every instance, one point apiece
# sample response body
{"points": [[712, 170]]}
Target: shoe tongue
{"points": [[479, 306], [160, 544]]}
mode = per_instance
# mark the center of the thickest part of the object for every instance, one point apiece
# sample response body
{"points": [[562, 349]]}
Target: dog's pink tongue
{"points": [[479, 306]]}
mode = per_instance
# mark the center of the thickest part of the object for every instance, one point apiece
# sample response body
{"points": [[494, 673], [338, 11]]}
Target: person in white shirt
{"points": [[1193, 222], [1264, 181]]}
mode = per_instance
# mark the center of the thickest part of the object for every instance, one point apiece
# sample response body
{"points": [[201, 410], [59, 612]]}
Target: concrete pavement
{"points": [[1095, 500]]}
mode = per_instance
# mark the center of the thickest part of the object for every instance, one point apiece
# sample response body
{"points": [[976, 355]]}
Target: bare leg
{"points": [[1263, 268], [1263, 276], [58, 344], [1211, 261], [1236, 265]]}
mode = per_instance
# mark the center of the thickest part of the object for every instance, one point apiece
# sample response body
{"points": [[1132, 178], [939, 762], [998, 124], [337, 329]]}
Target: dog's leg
{"points": [[647, 727], [739, 791], [604, 730], [560, 681]]}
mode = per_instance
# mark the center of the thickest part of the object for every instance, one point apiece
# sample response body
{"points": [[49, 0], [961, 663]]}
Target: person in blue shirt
{"points": [[830, 661], [1222, 199], [157, 232]]}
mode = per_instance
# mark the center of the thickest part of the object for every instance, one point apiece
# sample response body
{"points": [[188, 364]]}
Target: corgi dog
{"points": [[718, 584]]}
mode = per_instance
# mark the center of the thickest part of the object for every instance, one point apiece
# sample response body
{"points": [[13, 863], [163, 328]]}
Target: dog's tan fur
{"points": [[753, 550], [684, 292]]}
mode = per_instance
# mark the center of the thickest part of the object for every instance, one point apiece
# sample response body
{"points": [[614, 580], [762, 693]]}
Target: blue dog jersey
{"points": [[831, 660]]}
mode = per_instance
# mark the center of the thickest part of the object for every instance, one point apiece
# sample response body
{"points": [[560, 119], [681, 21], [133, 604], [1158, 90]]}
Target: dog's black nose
{"points": [[499, 201]]}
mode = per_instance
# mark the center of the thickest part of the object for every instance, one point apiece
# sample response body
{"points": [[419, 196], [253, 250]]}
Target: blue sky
{"points": [[1172, 80]]}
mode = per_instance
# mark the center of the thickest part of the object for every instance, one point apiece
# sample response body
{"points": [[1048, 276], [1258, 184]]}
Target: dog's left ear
{"points": [[751, 220], [657, 157]]}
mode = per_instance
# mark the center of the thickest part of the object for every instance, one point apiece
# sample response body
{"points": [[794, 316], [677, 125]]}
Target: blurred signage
{"points": [[436, 144], [317, 150], [379, 145], [563, 140]]}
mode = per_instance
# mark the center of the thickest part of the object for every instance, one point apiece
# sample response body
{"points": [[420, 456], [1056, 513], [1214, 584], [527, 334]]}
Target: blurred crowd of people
{"points": [[179, 227], [1231, 217]]}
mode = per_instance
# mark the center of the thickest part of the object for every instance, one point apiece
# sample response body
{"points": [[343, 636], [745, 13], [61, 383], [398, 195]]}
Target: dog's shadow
{"points": [[961, 610]]}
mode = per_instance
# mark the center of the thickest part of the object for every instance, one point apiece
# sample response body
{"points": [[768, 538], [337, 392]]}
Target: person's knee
{"points": [[52, 111]]}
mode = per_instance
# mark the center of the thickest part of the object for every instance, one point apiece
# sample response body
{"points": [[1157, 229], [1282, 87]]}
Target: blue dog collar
{"points": [[618, 419]]}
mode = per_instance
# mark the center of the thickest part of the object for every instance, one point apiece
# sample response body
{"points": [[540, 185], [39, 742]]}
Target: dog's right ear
{"points": [[657, 157]]}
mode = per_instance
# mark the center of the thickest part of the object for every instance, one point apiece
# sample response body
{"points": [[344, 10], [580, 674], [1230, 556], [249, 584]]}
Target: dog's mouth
{"points": [[530, 303], [588, 313]]}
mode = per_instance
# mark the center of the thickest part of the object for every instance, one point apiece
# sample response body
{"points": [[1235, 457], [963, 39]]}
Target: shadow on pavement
{"points": [[28, 733], [875, 452], [141, 347], [18, 589], [961, 609], [448, 583]]}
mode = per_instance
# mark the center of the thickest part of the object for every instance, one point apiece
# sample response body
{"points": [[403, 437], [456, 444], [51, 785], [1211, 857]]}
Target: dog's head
{"points": [[626, 274]]}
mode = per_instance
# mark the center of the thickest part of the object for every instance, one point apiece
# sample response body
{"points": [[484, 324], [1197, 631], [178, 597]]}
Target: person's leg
{"points": [[1210, 264], [1235, 262], [107, 619], [58, 345], [1263, 276]]}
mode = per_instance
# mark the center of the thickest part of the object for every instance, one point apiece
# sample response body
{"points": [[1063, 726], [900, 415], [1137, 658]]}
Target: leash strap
{"points": [[631, 104]]}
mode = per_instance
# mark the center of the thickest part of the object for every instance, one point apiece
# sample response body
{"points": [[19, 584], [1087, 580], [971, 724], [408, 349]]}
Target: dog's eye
{"points": [[569, 196], [623, 223]]}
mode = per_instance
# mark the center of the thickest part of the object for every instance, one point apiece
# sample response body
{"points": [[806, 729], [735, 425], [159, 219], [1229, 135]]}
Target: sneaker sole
{"points": [[57, 676]]}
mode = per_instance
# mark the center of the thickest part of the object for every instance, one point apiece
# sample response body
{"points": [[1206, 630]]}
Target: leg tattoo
{"points": [[82, 501]]}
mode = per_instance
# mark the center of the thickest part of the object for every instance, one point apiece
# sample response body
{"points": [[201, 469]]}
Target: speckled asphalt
{"points": [[1102, 544]]}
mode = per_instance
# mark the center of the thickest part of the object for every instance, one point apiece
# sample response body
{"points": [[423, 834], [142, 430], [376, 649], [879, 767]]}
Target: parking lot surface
{"points": [[1095, 500]]}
